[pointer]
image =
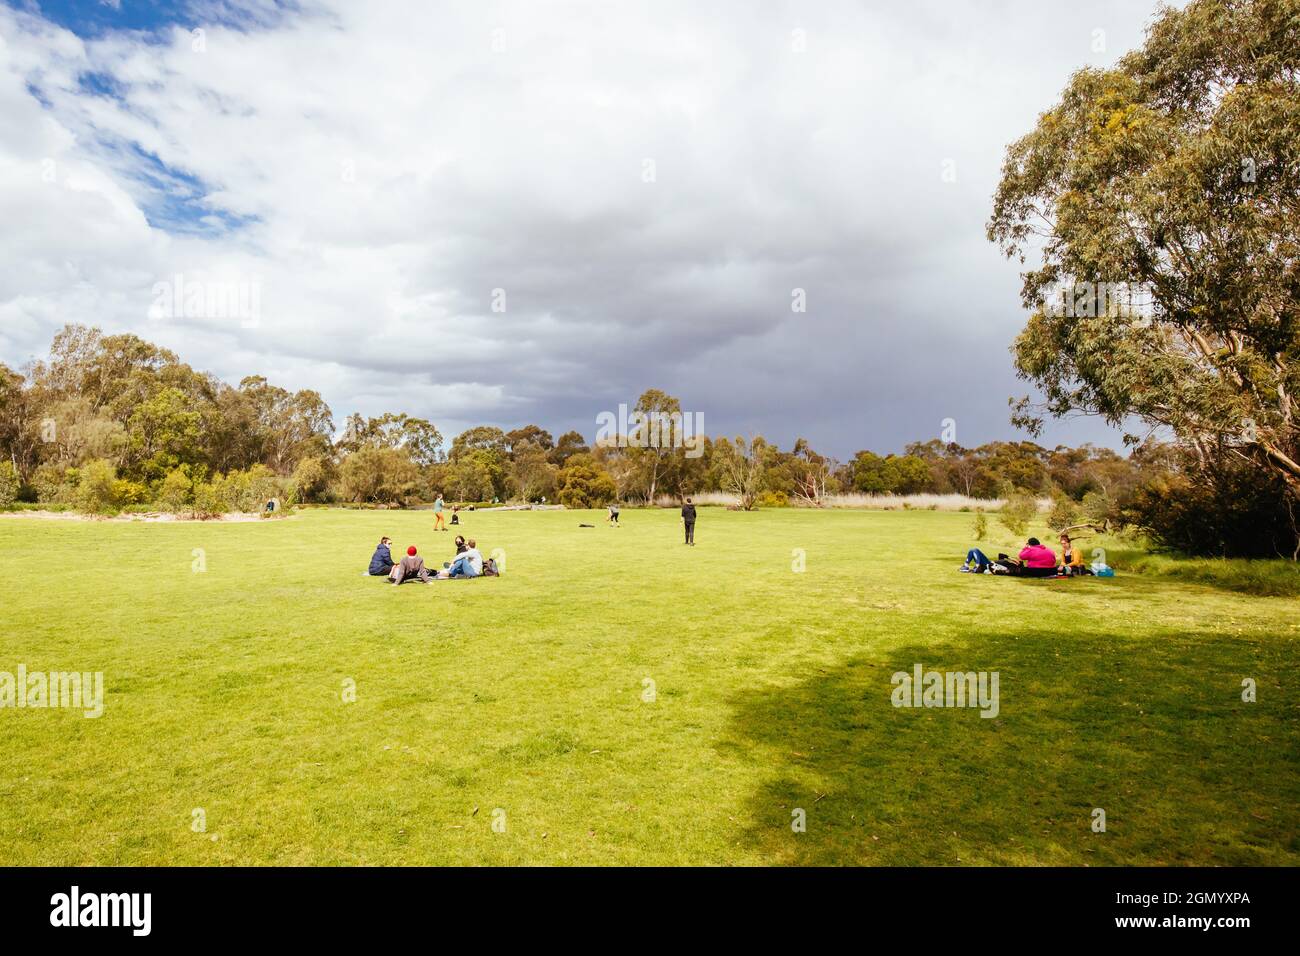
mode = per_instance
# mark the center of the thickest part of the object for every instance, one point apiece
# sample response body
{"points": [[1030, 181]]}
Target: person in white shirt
{"points": [[468, 564]]}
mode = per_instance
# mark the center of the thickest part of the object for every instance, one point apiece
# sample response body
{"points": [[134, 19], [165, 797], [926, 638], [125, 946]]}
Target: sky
{"points": [[511, 212]]}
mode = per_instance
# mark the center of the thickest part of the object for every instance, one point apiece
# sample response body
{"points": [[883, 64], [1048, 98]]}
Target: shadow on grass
{"points": [[1153, 731]]}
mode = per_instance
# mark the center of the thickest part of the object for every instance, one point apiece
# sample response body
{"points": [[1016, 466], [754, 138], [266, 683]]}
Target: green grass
{"points": [[1268, 578], [525, 694]]}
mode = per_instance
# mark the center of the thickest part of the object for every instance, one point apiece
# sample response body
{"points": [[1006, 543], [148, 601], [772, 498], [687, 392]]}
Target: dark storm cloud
{"points": [[649, 184]]}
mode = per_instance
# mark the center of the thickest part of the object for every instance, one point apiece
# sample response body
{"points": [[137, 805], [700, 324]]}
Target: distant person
{"points": [[455, 514], [412, 566], [688, 521], [381, 562], [468, 564], [439, 522], [1037, 560], [613, 514]]}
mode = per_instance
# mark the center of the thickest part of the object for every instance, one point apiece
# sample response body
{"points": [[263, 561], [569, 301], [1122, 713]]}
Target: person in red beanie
{"points": [[412, 566]]}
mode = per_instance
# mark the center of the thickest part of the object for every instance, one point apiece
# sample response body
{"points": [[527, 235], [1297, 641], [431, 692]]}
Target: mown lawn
{"points": [[524, 699]]}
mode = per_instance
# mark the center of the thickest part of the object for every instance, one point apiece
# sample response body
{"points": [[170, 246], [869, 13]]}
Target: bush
{"points": [[176, 491], [1019, 510], [244, 491], [585, 486], [9, 484], [980, 526], [1234, 510], [379, 475], [129, 494], [773, 499], [53, 484], [97, 486], [210, 498], [309, 481], [1065, 512]]}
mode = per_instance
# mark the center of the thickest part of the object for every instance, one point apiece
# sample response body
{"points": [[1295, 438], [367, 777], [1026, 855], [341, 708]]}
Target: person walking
{"points": [[688, 520], [439, 522]]}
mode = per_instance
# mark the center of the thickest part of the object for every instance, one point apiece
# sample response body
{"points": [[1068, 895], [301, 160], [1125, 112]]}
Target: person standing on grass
{"points": [[439, 522], [613, 513], [688, 520]]}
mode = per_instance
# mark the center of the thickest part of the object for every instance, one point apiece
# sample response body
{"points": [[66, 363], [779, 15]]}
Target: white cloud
{"points": [[393, 164]]}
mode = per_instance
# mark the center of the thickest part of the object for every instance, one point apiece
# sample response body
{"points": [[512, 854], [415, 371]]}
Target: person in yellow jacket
{"points": [[1071, 557]]}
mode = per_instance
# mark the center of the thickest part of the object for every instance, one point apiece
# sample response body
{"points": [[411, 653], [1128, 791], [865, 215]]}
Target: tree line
{"points": [[112, 422]]}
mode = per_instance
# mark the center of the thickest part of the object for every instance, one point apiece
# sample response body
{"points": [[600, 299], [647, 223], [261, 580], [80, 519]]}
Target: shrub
{"points": [[52, 484], [210, 498], [773, 499], [129, 494], [176, 491], [980, 526], [261, 485], [1233, 511], [9, 484], [379, 475], [585, 486], [244, 491], [1065, 512], [309, 481], [97, 486], [1019, 510]]}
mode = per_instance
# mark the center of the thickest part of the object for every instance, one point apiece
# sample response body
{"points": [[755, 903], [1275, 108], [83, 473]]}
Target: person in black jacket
{"points": [[688, 519]]}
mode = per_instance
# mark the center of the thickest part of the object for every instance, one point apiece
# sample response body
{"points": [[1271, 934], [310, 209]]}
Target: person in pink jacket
{"points": [[1037, 559]]}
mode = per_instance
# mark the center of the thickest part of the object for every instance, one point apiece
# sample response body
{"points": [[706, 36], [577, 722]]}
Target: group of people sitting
{"points": [[467, 563], [1035, 560]]}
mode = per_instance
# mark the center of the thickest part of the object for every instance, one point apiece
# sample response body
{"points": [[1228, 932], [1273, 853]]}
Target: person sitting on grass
{"points": [[412, 566], [1072, 558], [1037, 560], [381, 562], [468, 564], [461, 547]]}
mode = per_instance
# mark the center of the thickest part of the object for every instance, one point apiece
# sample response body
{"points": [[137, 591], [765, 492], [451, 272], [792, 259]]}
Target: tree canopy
{"points": [[1162, 200]]}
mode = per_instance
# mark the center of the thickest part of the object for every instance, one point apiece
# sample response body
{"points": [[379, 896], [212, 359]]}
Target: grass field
{"points": [[525, 699]]}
